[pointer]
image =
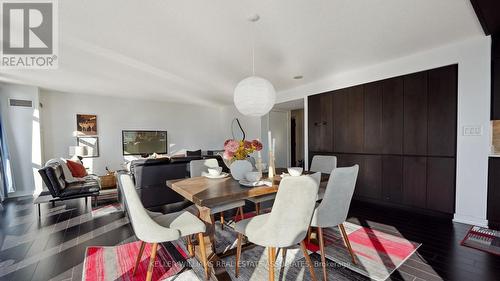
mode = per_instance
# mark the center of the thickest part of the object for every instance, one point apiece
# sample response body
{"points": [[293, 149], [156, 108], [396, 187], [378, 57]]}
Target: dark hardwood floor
{"points": [[53, 247]]}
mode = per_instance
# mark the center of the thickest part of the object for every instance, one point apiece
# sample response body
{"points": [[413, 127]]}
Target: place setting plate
{"points": [[210, 176]]}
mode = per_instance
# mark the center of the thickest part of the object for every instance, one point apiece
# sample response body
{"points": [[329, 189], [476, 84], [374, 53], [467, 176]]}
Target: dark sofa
{"points": [[53, 177], [150, 177]]}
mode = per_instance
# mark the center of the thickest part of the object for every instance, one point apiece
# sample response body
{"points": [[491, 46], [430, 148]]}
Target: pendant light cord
{"points": [[253, 49]]}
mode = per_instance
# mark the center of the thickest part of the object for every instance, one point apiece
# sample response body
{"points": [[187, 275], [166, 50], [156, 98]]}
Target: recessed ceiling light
{"points": [[253, 18], [298, 77]]}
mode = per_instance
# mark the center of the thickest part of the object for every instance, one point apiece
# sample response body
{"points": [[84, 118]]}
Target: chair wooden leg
{"points": [[242, 215], [271, 258], [203, 254], [322, 250], [309, 235], [151, 265], [139, 256], [238, 255], [308, 260], [257, 208], [222, 220], [283, 255], [347, 243], [190, 246]]}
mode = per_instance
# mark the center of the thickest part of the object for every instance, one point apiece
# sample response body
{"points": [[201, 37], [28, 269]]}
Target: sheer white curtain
{"points": [[5, 173]]}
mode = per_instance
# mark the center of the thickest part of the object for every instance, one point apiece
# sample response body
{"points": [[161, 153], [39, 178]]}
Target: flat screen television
{"points": [[144, 142]]}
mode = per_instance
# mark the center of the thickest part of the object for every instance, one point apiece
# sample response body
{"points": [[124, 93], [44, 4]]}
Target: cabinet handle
{"points": [[324, 122], [315, 123]]}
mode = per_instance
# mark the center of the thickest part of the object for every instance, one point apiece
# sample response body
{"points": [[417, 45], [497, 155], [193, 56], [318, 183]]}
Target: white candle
{"points": [[274, 145], [269, 140]]}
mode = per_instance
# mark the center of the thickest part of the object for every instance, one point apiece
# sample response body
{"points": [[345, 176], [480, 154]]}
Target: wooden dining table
{"points": [[207, 193]]}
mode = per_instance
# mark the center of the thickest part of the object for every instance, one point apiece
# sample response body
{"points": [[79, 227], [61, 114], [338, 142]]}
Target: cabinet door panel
{"points": [[442, 102], [495, 89], [392, 178], [370, 179], [392, 116], [494, 192], [314, 122], [415, 114], [441, 184], [340, 120], [326, 122], [414, 181], [373, 118], [368, 183], [356, 119]]}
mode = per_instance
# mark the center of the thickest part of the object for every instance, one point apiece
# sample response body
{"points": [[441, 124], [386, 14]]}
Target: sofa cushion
{"points": [[68, 176], [54, 178], [81, 188], [77, 169], [193, 153]]}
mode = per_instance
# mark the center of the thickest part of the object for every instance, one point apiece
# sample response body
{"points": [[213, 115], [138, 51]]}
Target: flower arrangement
{"points": [[239, 150]]}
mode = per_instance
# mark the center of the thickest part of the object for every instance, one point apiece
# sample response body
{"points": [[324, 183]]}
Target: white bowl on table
{"points": [[214, 171], [253, 176], [295, 171]]}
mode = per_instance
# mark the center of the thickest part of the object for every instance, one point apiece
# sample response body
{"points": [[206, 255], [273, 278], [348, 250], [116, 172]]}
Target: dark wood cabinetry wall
{"points": [[495, 77], [402, 133]]}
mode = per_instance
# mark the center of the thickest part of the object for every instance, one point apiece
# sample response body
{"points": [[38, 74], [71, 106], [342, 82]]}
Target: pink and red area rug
{"points": [[117, 263], [378, 254]]}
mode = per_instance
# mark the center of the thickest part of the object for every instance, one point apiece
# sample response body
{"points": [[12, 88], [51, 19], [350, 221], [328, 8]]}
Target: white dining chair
{"points": [[332, 211], [196, 169], [287, 223], [323, 163], [154, 228]]}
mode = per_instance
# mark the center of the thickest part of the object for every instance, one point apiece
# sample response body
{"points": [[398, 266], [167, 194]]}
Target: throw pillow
{"points": [[77, 169]]}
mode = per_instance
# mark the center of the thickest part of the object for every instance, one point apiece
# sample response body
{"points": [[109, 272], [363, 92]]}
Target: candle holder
{"points": [[272, 171]]}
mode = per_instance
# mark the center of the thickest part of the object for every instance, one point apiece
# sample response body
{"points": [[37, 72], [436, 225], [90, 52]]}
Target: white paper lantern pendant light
{"points": [[254, 96]]}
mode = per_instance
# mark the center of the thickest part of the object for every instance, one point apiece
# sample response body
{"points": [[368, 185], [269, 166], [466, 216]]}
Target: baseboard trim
{"points": [[20, 193], [470, 220]]}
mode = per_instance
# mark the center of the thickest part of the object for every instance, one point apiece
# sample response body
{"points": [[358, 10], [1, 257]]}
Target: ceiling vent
{"points": [[20, 103]]}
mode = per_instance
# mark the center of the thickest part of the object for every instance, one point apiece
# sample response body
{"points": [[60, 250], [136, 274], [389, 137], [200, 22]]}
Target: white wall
{"points": [[473, 58], [189, 127], [22, 129], [251, 125]]}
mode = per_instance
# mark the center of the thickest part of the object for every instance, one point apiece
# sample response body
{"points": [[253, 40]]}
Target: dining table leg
{"points": [[216, 266]]}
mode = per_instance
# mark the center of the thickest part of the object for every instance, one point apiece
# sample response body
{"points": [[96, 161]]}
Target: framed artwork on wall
{"points": [[92, 144], [86, 124]]}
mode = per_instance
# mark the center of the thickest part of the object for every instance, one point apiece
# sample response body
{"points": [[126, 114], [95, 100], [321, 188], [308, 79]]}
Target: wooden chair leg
{"points": [[283, 255], [257, 208], [308, 260], [322, 250], [222, 220], [238, 255], [139, 256], [271, 258], [347, 243], [151, 265], [203, 252], [242, 215], [190, 246]]}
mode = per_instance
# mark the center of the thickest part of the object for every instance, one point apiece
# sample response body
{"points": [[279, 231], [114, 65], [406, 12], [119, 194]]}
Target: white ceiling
{"points": [[196, 51]]}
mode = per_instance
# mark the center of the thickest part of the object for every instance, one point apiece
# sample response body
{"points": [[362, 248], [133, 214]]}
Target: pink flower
{"points": [[228, 155], [231, 146], [257, 145], [247, 144], [225, 143]]}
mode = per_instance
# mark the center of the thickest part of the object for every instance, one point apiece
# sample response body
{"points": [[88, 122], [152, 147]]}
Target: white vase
{"points": [[239, 168]]}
